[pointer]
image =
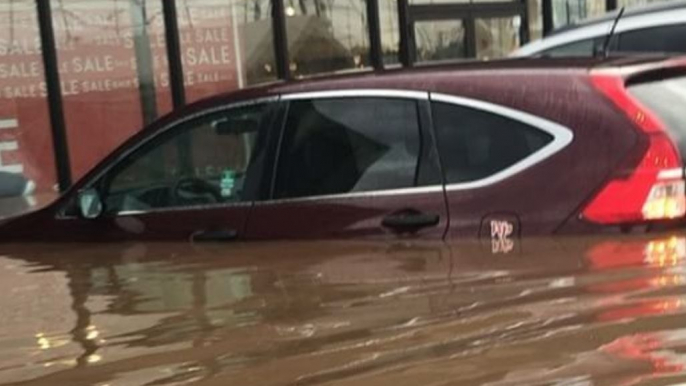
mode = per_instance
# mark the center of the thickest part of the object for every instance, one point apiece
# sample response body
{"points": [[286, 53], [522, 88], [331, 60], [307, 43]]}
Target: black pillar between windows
{"points": [[171, 32], [54, 91], [280, 40], [374, 29], [610, 5], [404, 25], [547, 13]]}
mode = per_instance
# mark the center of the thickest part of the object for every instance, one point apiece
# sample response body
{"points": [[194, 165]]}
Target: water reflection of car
{"points": [[655, 28], [493, 150]]}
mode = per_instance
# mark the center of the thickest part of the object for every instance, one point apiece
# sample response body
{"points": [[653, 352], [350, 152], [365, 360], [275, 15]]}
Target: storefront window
{"points": [[225, 45], [25, 134], [326, 36], [390, 35], [573, 11], [112, 64], [636, 3]]}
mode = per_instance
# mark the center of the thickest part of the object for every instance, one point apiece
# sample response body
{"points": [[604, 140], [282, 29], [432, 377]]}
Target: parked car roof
{"points": [[671, 13], [649, 9]]}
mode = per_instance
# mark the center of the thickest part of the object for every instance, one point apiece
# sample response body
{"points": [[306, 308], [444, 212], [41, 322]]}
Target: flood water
{"points": [[541, 312]]}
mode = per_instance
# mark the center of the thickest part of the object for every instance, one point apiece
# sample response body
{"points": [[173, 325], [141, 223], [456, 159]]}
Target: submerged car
{"points": [[655, 28], [495, 150]]}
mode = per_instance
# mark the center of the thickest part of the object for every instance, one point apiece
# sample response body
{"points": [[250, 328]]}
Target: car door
{"points": [[490, 154], [196, 179], [354, 163]]}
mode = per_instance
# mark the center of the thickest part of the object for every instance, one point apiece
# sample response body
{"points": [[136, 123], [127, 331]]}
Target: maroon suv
{"points": [[494, 149]]}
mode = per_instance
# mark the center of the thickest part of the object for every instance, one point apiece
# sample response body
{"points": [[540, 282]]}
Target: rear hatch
{"points": [[664, 93], [649, 186]]}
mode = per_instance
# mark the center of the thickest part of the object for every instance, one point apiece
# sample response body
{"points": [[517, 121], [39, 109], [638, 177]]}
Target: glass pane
{"points": [[348, 145], [25, 135], [225, 45], [390, 35], [440, 40], [203, 162], [535, 19], [113, 69], [326, 36], [475, 144], [496, 38], [572, 11], [637, 3]]}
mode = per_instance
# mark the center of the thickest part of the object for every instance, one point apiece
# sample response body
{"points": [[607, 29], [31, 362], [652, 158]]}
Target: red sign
{"points": [[106, 51]]}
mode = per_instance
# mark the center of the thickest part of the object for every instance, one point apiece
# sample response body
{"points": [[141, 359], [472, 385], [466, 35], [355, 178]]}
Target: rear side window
{"points": [[335, 146], [659, 39], [475, 144], [581, 48], [667, 99]]}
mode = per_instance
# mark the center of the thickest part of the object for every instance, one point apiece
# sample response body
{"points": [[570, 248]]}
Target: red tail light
{"points": [[654, 190]]}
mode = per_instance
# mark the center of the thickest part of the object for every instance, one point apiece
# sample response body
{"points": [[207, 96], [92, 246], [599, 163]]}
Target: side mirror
{"points": [[90, 204]]}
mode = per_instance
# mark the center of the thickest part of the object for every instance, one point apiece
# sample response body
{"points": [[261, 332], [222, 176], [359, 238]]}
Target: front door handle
{"points": [[214, 235], [409, 221]]}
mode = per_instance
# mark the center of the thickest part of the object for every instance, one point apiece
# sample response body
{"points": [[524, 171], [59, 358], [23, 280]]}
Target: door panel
{"points": [[354, 167], [346, 217]]}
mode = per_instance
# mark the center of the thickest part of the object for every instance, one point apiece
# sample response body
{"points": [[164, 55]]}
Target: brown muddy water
{"points": [[548, 312]]}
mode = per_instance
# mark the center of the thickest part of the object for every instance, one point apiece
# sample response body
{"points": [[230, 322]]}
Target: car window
{"points": [[475, 144], [346, 145], [580, 48], [203, 161], [659, 39]]}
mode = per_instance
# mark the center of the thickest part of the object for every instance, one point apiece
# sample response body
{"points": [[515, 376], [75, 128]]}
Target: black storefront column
{"points": [[280, 40], [374, 29], [171, 30], [547, 13], [54, 91], [404, 25]]}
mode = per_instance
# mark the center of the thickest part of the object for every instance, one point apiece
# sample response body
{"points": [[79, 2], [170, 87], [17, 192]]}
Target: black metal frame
{"points": [[54, 91], [171, 31], [407, 15]]}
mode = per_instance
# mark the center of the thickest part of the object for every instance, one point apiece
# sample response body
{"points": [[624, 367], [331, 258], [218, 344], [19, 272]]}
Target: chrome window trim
{"points": [[627, 24], [358, 93], [60, 215], [227, 205], [352, 195], [562, 136]]}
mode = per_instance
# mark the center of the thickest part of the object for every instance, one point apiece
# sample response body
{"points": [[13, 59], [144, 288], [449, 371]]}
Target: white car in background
{"points": [[656, 28]]}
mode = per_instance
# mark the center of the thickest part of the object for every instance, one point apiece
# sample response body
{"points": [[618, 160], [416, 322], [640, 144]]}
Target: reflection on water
{"points": [[550, 312]]}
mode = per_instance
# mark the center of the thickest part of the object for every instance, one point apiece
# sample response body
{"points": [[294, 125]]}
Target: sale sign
{"points": [[114, 75]]}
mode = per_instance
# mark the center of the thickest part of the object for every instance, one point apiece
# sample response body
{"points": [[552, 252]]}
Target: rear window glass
{"points": [[475, 144], [667, 99]]}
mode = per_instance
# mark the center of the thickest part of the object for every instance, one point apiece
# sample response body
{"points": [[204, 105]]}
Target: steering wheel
{"points": [[195, 186]]}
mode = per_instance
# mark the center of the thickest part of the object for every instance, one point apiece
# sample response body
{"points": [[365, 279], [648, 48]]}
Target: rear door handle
{"points": [[214, 235], [409, 220]]}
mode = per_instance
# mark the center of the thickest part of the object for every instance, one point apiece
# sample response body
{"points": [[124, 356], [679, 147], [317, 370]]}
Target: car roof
{"points": [[671, 13], [649, 9], [431, 77]]}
